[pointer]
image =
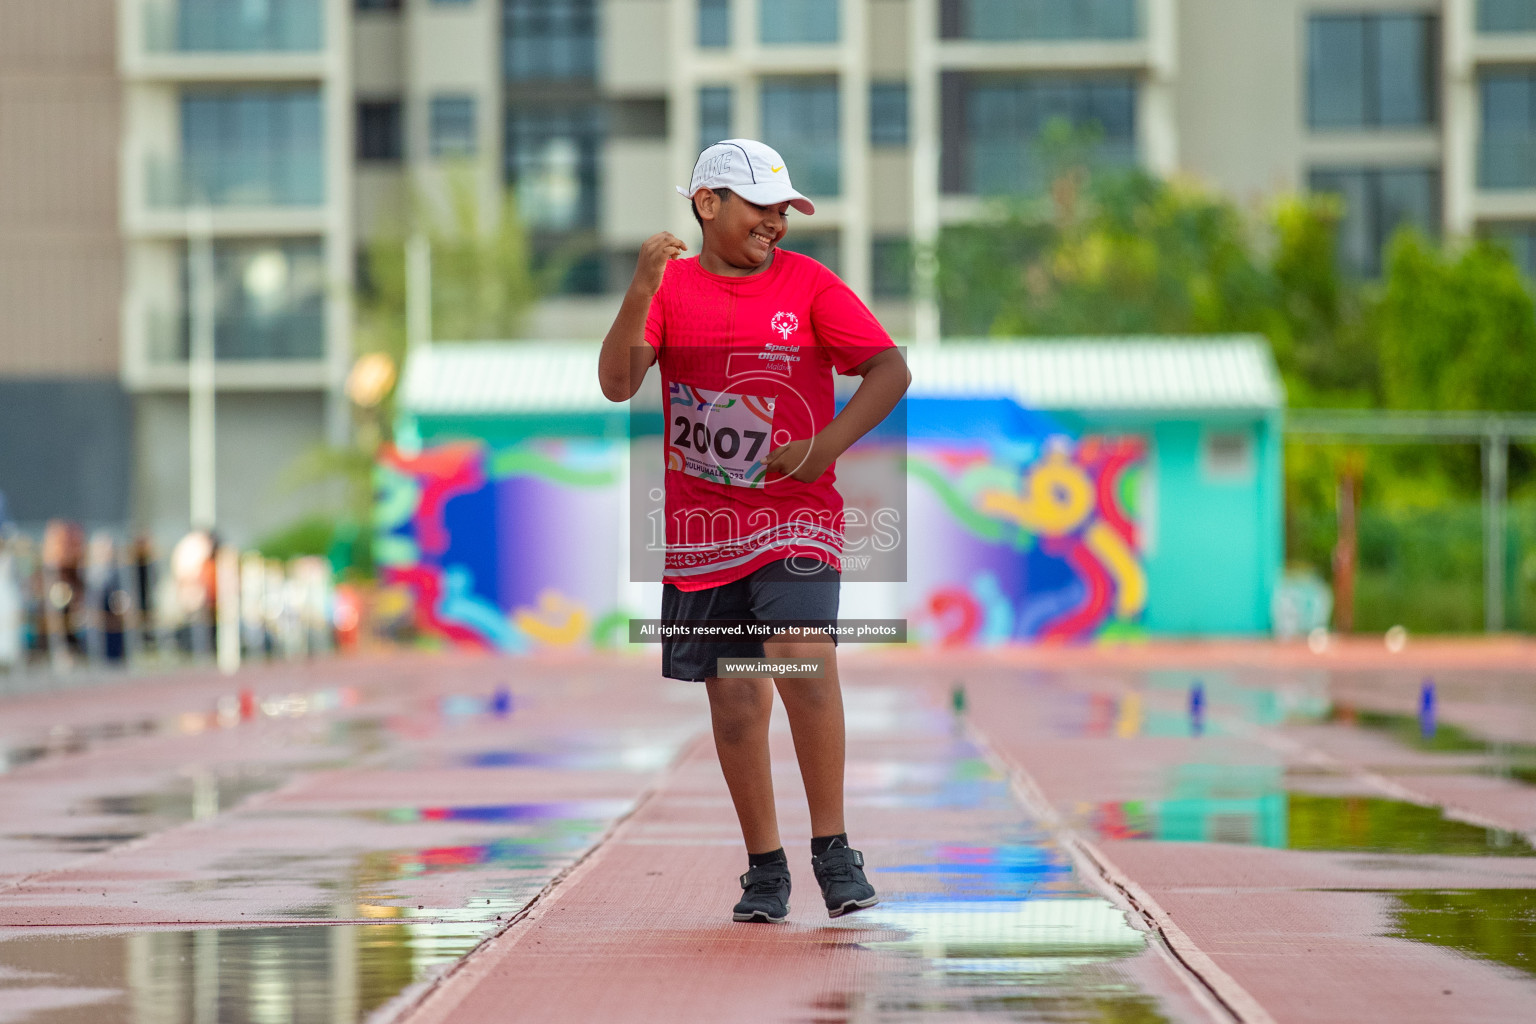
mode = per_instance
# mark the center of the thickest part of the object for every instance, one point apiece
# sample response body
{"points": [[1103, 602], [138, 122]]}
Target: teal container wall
{"points": [[1216, 545], [1208, 568], [510, 428]]}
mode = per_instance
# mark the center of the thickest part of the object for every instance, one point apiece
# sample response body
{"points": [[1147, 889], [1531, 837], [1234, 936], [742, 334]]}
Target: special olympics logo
{"points": [[785, 323]]}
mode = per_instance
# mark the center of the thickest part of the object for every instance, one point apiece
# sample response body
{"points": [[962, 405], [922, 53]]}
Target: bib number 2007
{"points": [[719, 436]]}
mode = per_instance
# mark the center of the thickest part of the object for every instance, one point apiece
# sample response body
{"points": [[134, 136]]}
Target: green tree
{"points": [[1458, 330], [483, 279], [1448, 327], [483, 287]]}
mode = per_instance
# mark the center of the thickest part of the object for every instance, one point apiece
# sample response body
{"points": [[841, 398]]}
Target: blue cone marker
{"points": [[501, 703], [1427, 710], [1197, 708]]}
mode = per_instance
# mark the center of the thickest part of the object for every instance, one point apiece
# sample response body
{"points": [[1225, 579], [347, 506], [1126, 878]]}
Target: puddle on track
{"points": [[108, 821], [294, 975], [994, 928], [304, 972], [1490, 924], [418, 920], [1305, 821]]}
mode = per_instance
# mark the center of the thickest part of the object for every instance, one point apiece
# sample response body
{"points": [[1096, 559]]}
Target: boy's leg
{"points": [[739, 710], [815, 710]]}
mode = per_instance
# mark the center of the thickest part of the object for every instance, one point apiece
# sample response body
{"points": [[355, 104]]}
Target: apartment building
{"points": [[65, 418], [286, 134], [237, 141], [900, 116]]}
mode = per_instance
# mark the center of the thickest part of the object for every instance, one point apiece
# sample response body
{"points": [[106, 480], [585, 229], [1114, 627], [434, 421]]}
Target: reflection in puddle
{"points": [[1393, 826], [1042, 959], [1510, 760], [79, 842], [306, 974], [72, 739], [1304, 821], [1004, 929], [975, 872], [992, 925], [1446, 738], [637, 758], [230, 711], [200, 795], [1190, 704], [1494, 924], [1052, 959], [963, 784], [567, 810]]}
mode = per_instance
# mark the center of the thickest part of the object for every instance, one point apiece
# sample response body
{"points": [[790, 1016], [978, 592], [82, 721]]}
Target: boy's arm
{"points": [[885, 380], [626, 355]]}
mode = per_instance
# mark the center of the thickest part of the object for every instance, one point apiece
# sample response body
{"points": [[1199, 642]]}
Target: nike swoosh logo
{"points": [[775, 170]]}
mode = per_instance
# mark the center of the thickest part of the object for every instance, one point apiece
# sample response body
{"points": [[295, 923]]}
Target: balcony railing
{"points": [[1507, 163], [297, 334], [1017, 167], [269, 178], [1041, 20], [1506, 16], [233, 26], [816, 166]]}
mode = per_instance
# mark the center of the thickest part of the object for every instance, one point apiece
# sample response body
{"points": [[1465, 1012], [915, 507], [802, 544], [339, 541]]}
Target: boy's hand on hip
{"points": [[652, 264], [802, 460]]}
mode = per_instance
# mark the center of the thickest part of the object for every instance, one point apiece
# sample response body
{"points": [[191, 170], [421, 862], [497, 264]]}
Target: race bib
{"points": [[718, 435]]}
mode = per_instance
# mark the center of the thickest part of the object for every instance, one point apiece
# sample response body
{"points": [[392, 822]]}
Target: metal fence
{"points": [[1434, 551]]}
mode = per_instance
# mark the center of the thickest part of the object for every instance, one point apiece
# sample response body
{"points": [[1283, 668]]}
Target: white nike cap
{"points": [[751, 170]]}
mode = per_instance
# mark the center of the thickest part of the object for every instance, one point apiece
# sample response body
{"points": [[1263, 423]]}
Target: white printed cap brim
{"points": [[767, 194]]}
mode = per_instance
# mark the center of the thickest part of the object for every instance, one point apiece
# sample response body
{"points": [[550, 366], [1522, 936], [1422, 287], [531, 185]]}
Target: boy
{"points": [[748, 336]]}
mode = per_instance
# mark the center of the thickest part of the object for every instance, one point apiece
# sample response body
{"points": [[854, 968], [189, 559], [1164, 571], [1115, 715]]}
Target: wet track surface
{"points": [[1089, 842]]}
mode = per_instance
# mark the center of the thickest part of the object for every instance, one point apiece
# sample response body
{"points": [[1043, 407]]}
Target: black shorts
{"points": [[773, 593]]}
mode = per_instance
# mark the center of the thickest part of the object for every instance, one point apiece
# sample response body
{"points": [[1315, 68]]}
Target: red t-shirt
{"points": [[746, 366]]}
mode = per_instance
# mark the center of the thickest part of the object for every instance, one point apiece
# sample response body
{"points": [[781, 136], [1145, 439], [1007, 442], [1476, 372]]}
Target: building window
{"points": [[999, 130], [235, 25], [247, 147], [800, 120], [552, 161], [1507, 157], [452, 3], [453, 126], [888, 114], [821, 246], [1506, 16], [637, 119], [714, 23], [1038, 19], [1371, 71], [1226, 456], [269, 299], [1377, 202], [376, 5], [714, 115], [549, 39], [798, 21], [891, 268], [1519, 237], [380, 130]]}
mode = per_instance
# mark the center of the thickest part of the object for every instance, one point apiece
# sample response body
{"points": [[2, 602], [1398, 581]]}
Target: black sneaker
{"points": [[843, 885], [767, 894]]}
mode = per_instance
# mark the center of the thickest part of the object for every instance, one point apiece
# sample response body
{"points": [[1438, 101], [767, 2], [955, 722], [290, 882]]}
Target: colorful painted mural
{"points": [[506, 548], [1023, 535], [1025, 539]]}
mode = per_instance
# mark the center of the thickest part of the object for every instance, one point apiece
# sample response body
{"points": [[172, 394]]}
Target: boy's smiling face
{"points": [[739, 234]]}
